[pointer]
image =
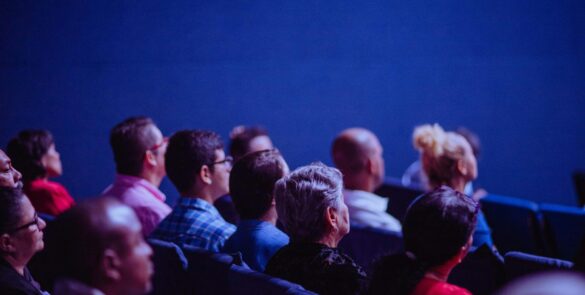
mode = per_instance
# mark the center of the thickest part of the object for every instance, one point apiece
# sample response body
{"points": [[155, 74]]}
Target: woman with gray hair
{"points": [[310, 207]]}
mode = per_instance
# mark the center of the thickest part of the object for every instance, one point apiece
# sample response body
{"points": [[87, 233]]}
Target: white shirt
{"points": [[369, 209]]}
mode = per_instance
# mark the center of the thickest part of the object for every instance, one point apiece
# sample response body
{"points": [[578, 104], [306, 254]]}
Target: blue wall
{"points": [[513, 71]]}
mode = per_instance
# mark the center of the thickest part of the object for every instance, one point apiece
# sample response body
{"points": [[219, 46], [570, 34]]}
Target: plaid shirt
{"points": [[195, 222]]}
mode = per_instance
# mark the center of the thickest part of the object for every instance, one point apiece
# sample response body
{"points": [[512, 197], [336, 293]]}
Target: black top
{"points": [[12, 283], [318, 268]]}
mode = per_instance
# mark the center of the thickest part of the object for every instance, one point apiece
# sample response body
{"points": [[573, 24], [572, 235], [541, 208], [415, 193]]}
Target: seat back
{"points": [[518, 264], [365, 245], [244, 281], [565, 228], [515, 224], [481, 272], [399, 196], [170, 268], [579, 182]]}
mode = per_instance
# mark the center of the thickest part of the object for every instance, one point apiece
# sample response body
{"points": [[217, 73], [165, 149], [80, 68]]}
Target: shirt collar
{"points": [[197, 203], [138, 181]]}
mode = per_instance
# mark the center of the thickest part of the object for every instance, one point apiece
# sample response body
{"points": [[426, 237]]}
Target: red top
{"points": [[428, 286], [48, 197]]}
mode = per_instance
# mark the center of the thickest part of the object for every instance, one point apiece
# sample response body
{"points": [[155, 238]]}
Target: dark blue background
{"points": [[513, 71]]}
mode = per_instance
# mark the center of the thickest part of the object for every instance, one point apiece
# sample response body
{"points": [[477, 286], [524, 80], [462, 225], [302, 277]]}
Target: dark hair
{"points": [[130, 139], [187, 152], [26, 151], [240, 139], [252, 182], [76, 239], [436, 226], [10, 208]]}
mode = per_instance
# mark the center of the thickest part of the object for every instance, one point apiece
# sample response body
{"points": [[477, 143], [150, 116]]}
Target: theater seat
{"points": [[518, 264], [365, 245], [170, 268], [481, 272], [565, 228], [244, 281], [399, 196], [515, 224]]}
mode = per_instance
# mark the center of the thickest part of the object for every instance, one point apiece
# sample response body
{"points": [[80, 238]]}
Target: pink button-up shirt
{"points": [[146, 199]]}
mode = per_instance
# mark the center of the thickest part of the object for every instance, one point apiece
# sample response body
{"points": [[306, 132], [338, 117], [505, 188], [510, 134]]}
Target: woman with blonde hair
{"points": [[447, 159]]}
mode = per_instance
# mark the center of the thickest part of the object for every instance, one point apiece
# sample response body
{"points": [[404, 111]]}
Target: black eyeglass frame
{"points": [[227, 159], [25, 226]]}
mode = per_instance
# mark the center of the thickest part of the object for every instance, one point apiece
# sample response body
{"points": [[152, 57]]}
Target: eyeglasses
{"points": [[25, 226], [227, 160], [158, 145]]}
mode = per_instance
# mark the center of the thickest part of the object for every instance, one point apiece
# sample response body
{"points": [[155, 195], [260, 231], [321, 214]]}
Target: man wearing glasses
{"points": [[139, 152], [198, 167]]}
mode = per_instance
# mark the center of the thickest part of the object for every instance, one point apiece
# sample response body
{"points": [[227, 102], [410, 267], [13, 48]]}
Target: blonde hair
{"points": [[440, 151]]}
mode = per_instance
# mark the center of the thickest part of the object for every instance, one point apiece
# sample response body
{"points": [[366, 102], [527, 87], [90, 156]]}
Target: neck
{"points": [[151, 177], [359, 181], [458, 185], [16, 264], [270, 216], [439, 273], [203, 194], [329, 240]]}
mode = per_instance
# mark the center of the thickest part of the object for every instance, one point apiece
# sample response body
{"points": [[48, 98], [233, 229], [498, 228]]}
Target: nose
{"points": [[17, 175], [41, 224]]}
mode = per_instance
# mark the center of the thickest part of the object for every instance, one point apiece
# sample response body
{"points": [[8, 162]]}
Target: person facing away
{"points": [[358, 154], [139, 150], [438, 233], [21, 237], [198, 167], [447, 159], [9, 176], [243, 140], [97, 248], [33, 152], [310, 206], [252, 182]]}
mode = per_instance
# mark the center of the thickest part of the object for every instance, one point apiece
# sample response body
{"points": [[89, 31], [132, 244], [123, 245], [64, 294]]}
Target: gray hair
{"points": [[302, 199]]}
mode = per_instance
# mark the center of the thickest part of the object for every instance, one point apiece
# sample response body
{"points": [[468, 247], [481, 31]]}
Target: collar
{"points": [[130, 180], [197, 203]]}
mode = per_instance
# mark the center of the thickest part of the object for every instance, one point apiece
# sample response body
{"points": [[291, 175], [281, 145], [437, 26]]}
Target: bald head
{"points": [[357, 153]]}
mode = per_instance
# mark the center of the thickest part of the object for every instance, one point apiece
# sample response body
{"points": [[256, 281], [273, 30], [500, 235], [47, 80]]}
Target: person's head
{"points": [[99, 242], [310, 205], [21, 230], [437, 232], [357, 152], [196, 162], [248, 139], [252, 182], [139, 148], [33, 153], [447, 157], [9, 176]]}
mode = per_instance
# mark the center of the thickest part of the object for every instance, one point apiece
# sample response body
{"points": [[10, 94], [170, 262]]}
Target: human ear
{"points": [[205, 174], [110, 264], [331, 217], [6, 243], [150, 158], [462, 167]]}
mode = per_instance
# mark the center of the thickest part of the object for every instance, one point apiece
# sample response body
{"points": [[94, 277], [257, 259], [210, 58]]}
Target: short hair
{"points": [[129, 140], [440, 152], [187, 152], [436, 226], [77, 238], [10, 208], [302, 199], [252, 182], [240, 139], [26, 151]]}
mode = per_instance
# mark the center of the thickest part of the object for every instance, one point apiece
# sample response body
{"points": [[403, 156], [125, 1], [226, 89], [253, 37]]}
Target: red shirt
{"points": [[428, 286], [48, 197]]}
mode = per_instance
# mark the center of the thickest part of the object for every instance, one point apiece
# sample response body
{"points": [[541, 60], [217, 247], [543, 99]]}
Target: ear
{"points": [[331, 217], [462, 167], [205, 175], [6, 244], [465, 249], [371, 165], [150, 158], [110, 265]]}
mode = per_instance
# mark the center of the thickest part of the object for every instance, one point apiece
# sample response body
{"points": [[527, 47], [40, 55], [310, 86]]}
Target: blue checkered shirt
{"points": [[194, 222]]}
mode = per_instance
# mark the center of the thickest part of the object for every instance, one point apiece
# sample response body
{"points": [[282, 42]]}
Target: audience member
{"points": [[243, 140], [9, 176], [33, 153], [199, 169], [251, 186], [310, 206], [358, 154], [139, 149], [437, 233], [21, 236], [447, 159], [97, 247], [547, 283]]}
